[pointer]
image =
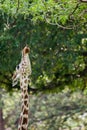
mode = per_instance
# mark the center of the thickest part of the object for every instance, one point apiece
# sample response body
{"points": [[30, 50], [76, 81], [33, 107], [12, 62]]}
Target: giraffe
{"points": [[22, 74]]}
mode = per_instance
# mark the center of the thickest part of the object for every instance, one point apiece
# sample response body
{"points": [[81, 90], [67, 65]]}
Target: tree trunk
{"points": [[1, 120], [1, 112]]}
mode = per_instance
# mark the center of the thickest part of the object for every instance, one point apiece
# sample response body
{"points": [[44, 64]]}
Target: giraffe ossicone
{"points": [[22, 75]]}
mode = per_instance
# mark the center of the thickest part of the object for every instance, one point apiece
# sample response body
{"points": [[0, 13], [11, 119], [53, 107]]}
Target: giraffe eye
{"points": [[17, 67]]}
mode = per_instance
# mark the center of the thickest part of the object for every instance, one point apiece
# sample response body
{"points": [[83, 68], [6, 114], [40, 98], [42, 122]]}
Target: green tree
{"points": [[56, 34]]}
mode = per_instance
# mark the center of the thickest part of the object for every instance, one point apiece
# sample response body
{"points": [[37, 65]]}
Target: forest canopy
{"points": [[56, 32]]}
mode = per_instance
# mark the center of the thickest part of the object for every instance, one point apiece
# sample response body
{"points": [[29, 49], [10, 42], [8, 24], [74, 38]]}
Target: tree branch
{"points": [[74, 10], [60, 26], [18, 5], [85, 1]]}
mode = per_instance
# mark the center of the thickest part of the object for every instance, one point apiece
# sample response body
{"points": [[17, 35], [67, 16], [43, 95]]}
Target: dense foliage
{"points": [[56, 33]]}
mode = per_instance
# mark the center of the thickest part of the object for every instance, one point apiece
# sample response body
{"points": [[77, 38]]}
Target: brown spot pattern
{"points": [[25, 103], [24, 86], [26, 96], [25, 81], [25, 120], [21, 83], [24, 91], [22, 128], [25, 112]]}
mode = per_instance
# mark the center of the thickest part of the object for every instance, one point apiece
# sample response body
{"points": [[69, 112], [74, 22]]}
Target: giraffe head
{"points": [[26, 50]]}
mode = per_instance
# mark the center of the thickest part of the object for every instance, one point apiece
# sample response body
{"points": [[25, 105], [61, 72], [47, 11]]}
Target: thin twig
{"points": [[74, 9], [57, 24], [18, 5]]}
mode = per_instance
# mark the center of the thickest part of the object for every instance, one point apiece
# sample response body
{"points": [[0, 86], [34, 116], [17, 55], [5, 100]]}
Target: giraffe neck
{"points": [[25, 57], [22, 74], [23, 122], [26, 60]]}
